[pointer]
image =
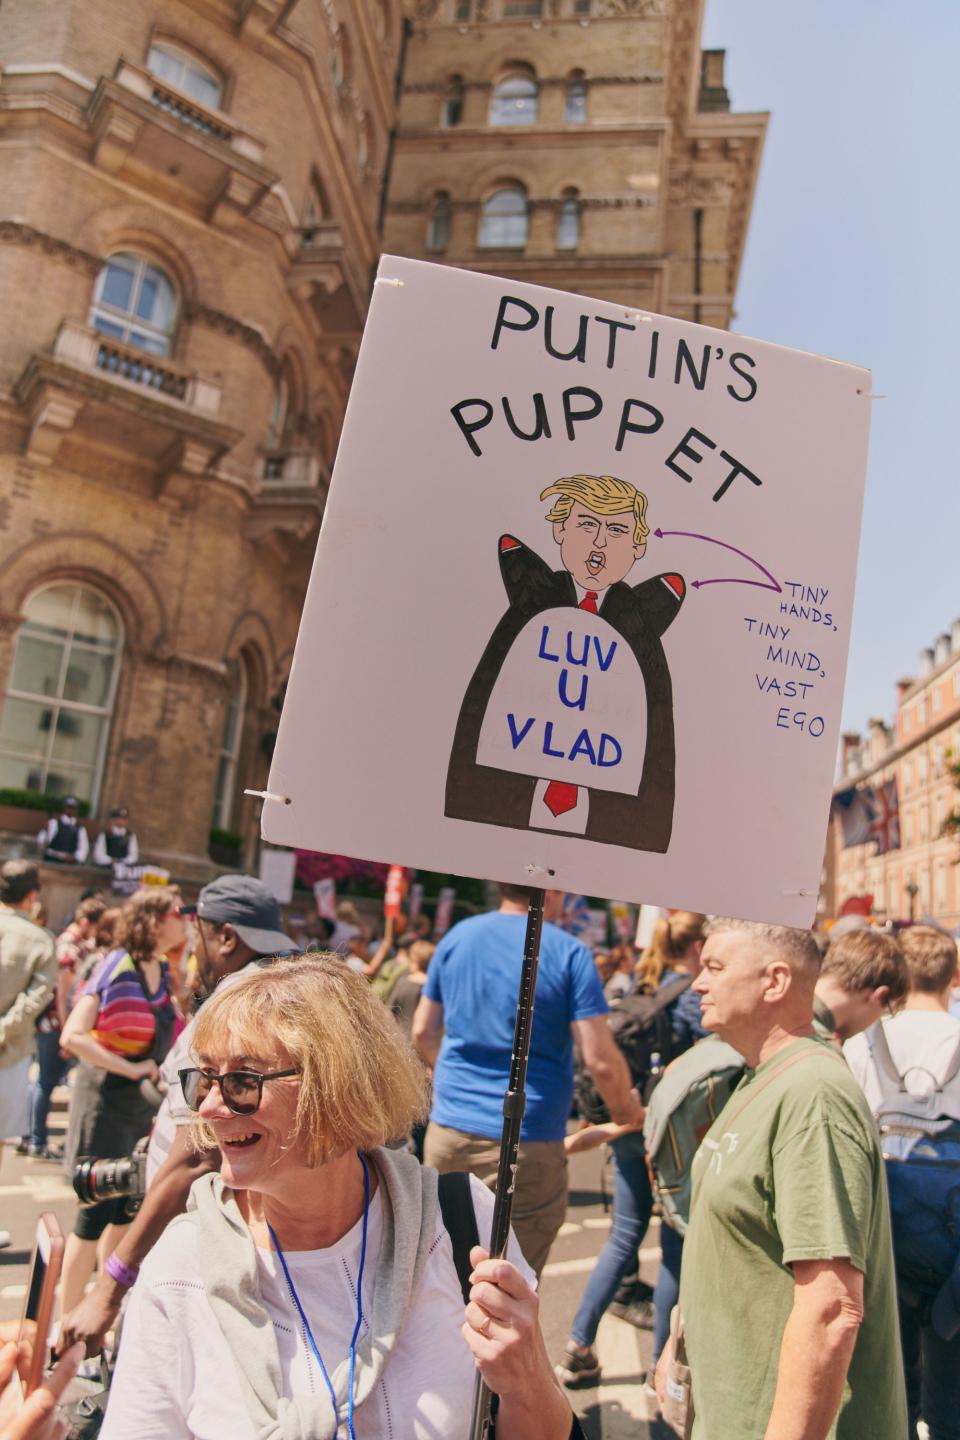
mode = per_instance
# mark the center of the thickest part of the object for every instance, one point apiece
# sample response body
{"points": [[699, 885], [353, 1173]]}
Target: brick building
{"points": [[583, 144], [188, 232], [917, 750], [192, 203]]}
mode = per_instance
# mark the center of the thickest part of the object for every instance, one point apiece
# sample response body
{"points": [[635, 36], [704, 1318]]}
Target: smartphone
{"points": [[41, 1291]]}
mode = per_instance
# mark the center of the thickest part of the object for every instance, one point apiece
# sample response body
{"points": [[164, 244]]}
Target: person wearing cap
{"points": [[238, 929], [117, 845], [63, 839]]}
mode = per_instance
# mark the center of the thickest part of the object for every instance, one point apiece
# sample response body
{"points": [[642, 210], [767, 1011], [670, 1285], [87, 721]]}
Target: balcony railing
{"points": [[188, 111], [142, 369], [87, 349]]}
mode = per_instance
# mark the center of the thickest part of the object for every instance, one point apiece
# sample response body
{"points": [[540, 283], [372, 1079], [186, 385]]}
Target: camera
{"points": [[95, 1180]]}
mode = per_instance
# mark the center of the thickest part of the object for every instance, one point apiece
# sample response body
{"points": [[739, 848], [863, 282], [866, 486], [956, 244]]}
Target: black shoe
{"points": [[636, 1312], [45, 1152], [578, 1369], [22, 1147], [632, 1288]]}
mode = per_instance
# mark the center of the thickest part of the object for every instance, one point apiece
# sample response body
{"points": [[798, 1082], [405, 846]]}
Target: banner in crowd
{"points": [[277, 870], [632, 539]]}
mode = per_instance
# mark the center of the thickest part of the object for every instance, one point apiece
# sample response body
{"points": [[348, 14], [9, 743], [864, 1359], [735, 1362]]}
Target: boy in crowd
{"points": [[924, 1045]]}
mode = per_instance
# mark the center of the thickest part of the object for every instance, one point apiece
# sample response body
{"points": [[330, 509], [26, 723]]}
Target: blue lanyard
{"points": [[356, 1329]]}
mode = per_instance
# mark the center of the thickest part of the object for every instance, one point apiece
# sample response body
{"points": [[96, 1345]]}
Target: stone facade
{"points": [[918, 750], [185, 489], [628, 120], [192, 203]]}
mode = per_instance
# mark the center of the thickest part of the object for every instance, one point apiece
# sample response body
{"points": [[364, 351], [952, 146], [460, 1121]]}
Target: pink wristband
{"points": [[123, 1274]]}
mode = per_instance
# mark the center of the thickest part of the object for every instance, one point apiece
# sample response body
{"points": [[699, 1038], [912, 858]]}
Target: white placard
{"points": [[632, 540], [277, 871]]}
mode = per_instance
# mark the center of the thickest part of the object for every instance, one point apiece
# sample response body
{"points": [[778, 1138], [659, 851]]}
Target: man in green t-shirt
{"points": [[787, 1288]]}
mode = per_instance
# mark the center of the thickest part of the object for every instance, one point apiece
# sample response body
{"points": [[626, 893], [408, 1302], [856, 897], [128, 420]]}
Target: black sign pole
{"points": [[514, 1102]]}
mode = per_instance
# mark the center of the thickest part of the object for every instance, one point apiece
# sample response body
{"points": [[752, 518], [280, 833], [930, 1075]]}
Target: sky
{"points": [[853, 251]]}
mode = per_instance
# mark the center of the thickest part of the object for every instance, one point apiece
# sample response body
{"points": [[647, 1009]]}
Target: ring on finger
{"points": [[484, 1327]]}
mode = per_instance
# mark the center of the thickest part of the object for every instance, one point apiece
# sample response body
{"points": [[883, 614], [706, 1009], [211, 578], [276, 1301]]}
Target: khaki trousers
{"points": [[540, 1197]]}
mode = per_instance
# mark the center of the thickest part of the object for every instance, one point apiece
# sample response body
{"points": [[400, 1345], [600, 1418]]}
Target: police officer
{"points": [[117, 845], [63, 839]]}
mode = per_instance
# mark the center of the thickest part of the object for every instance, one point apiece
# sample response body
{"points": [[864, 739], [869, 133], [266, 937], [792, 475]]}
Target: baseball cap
{"points": [[247, 905]]}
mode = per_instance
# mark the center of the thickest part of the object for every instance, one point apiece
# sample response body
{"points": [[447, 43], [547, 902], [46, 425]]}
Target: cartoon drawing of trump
{"points": [[567, 722]]}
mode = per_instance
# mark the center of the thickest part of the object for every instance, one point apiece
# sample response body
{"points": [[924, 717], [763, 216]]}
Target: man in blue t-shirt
{"points": [[463, 1027]]}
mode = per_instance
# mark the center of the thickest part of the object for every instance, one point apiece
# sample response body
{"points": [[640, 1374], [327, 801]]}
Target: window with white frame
{"points": [[575, 103], [936, 699], [133, 301], [438, 231], [178, 68], [230, 743], [921, 770], [514, 99], [568, 221], [61, 692], [504, 219]]}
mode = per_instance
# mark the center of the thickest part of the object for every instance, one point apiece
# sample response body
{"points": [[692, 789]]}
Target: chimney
{"points": [[713, 92], [849, 752], [942, 649], [955, 635], [903, 686], [926, 663]]}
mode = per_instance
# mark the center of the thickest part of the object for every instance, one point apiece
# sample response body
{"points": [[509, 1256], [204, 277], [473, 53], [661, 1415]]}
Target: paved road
{"points": [[614, 1410]]}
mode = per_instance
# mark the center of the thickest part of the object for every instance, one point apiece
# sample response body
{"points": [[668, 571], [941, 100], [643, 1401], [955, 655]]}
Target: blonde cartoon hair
{"points": [[604, 495]]}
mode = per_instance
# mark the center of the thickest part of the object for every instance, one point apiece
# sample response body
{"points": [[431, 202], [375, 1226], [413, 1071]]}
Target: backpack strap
{"points": [[460, 1222], [953, 1069], [892, 1083]]}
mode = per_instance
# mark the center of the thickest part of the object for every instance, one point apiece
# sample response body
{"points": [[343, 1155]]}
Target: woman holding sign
{"points": [[317, 1285]]}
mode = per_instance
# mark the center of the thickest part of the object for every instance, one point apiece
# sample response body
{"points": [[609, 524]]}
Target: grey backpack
{"points": [[692, 1091]]}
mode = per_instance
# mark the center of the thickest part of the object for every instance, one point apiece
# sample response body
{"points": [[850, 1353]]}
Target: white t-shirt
{"points": [[176, 1378], [922, 1044]]}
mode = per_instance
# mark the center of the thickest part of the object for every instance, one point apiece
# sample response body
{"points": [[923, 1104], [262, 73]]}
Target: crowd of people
{"points": [[307, 1256]]}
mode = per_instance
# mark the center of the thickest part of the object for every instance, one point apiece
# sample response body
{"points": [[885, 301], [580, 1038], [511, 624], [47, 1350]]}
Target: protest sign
{"points": [[394, 892], [633, 540], [444, 915], [277, 871], [325, 894]]}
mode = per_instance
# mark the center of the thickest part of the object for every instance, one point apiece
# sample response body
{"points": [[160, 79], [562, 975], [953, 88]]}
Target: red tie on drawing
{"points": [[559, 796]]}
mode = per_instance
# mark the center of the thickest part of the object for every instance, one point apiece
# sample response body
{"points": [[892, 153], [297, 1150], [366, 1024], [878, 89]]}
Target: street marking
{"points": [[587, 1263], [618, 1350], [13, 1292], [599, 1222], [569, 1227]]}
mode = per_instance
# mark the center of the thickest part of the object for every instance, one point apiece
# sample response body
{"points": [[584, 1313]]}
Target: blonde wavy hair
{"points": [[361, 1086], [604, 495]]}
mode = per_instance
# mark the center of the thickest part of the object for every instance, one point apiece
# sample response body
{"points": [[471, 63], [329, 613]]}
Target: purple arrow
{"points": [[698, 584]]}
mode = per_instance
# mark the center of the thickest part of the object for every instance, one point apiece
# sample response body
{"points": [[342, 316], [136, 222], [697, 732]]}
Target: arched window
{"points": [[134, 301], [60, 696], [438, 232], [178, 68], [452, 110], [575, 109], [230, 743], [462, 11], [568, 221], [503, 221], [516, 9], [514, 99]]}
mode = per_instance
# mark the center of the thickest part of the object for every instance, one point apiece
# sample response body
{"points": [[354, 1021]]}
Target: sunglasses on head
{"points": [[242, 1090]]}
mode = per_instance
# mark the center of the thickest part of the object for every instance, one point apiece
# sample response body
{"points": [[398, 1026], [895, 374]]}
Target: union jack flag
{"points": [[885, 828]]}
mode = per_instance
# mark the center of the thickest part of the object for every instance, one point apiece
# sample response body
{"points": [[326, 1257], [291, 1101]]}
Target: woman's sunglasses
{"points": [[242, 1090]]}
